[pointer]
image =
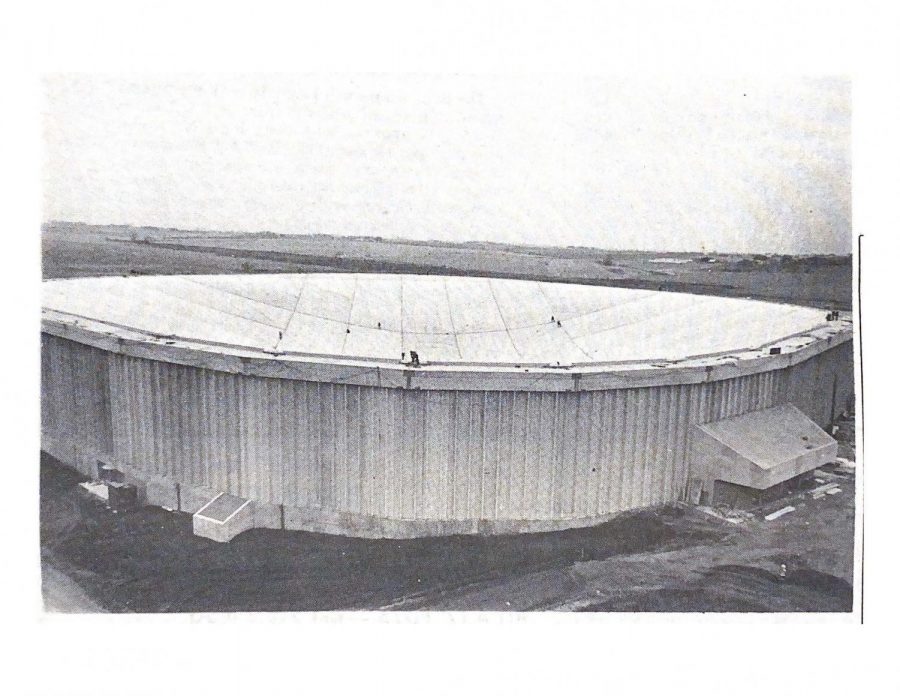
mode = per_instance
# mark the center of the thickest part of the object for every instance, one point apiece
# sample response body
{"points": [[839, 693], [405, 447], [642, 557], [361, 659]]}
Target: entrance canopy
{"points": [[762, 448]]}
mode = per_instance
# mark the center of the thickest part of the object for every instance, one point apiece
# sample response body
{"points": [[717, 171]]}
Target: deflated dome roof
{"points": [[444, 319]]}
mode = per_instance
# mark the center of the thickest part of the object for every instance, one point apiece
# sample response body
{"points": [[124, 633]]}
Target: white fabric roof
{"points": [[444, 319]]}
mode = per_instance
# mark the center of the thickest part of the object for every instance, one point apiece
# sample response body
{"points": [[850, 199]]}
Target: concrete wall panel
{"points": [[403, 454]]}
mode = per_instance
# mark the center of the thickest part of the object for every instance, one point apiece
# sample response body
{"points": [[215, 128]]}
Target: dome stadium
{"points": [[381, 405]]}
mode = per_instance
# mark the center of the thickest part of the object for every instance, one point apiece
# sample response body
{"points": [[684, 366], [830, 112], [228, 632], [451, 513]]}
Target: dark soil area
{"points": [[736, 588], [148, 560]]}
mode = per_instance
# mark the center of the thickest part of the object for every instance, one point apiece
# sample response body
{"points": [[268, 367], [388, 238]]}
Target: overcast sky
{"points": [[728, 165]]}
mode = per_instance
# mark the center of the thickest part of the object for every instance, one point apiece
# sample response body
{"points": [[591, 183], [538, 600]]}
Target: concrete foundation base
{"points": [[367, 527], [260, 515], [163, 492]]}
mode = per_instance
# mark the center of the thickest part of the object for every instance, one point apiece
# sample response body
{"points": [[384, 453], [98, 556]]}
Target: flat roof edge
{"points": [[334, 369]]}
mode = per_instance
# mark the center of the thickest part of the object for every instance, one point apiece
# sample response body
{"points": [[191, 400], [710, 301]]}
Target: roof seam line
{"points": [[232, 292], [450, 316], [349, 314], [283, 332], [502, 318], [213, 308], [565, 330]]}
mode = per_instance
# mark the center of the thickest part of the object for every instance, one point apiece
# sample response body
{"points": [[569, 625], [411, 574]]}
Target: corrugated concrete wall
{"points": [[402, 454], [822, 386], [76, 420]]}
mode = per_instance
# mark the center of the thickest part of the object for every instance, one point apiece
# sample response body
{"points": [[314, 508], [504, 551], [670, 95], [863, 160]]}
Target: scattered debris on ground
{"points": [[727, 513], [779, 513], [96, 489]]}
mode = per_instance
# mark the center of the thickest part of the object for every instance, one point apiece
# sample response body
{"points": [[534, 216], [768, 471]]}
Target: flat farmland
{"points": [[74, 250]]}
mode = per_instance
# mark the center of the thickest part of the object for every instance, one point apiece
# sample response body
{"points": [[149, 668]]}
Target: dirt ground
{"points": [[673, 559]]}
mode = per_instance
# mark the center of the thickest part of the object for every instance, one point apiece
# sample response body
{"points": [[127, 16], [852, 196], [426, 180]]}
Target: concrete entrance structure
{"points": [[760, 449]]}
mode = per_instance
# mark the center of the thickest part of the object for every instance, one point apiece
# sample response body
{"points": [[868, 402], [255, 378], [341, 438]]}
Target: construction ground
{"points": [[681, 559]]}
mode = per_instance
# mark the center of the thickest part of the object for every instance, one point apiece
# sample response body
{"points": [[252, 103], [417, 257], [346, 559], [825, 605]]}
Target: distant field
{"points": [[77, 250]]}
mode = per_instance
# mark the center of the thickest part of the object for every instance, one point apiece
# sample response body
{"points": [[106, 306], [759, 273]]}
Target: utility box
{"points": [[224, 517], [122, 496], [108, 473]]}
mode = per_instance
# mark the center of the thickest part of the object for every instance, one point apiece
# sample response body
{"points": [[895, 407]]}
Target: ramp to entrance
{"points": [[223, 517], [760, 449]]}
